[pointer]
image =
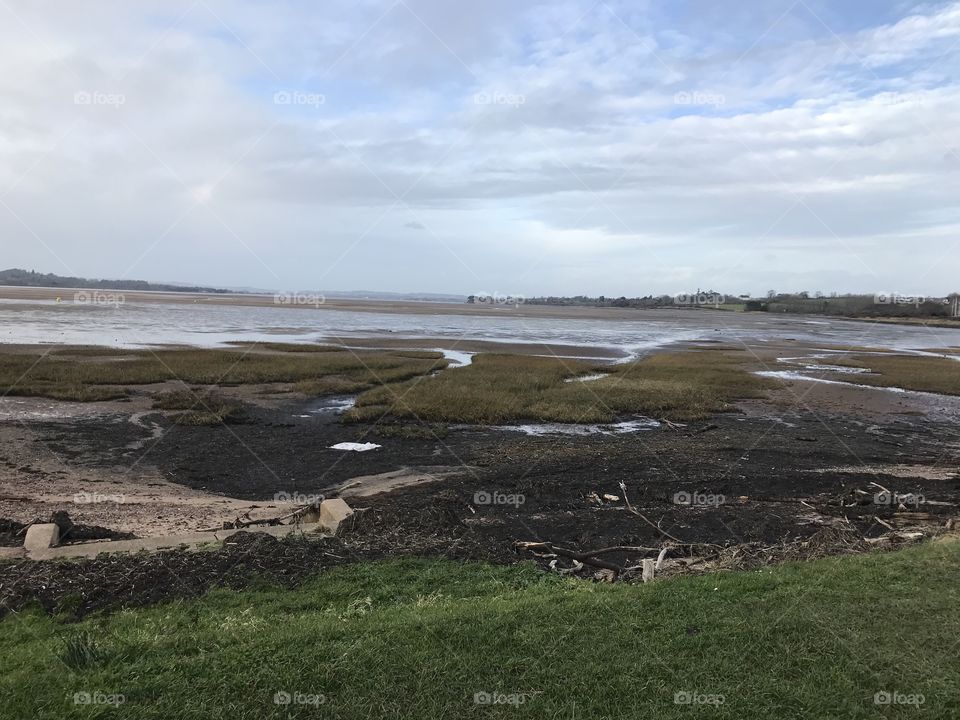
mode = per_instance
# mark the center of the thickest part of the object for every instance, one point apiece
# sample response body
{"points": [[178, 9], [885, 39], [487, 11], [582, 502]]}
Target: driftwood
{"points": [[631, 509], [244, 521], [585, 558]]}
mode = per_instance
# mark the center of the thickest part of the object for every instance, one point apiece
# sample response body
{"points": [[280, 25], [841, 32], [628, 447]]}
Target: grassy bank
{"points": [[911, 372], [421, 639], [503, 388], [90, 373]]}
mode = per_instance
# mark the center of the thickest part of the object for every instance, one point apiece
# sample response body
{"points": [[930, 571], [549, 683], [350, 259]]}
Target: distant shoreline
{"points": [[423, 307]]}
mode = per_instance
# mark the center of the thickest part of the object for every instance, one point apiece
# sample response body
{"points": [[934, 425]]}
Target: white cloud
{"points": [[145, 140]]}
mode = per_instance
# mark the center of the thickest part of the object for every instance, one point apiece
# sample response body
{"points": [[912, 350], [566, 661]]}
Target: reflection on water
{"points": [[139, 324]]}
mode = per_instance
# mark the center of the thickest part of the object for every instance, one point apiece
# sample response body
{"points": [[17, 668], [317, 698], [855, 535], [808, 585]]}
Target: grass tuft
{"points": [[910, 372], [497, 389]]}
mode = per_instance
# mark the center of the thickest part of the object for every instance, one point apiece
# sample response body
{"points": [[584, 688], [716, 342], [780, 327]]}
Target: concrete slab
{"points": [[169, 542], [12, 553], [332, 513], [41, 537]]}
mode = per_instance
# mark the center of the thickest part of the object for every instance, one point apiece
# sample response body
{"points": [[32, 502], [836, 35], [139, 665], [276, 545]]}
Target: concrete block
{"points": [[332, 513], [41, 537], [649, 568]]}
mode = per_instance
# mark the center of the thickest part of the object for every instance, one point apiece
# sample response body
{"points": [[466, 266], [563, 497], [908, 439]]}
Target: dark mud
{"points": [[746, 474], [791, 485]]}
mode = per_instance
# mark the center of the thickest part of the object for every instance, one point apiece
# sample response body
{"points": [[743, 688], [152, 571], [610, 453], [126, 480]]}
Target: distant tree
{"points": [[771, 294]]}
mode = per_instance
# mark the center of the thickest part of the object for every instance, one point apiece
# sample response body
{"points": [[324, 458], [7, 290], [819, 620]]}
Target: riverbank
{"points": [[782, 460]]}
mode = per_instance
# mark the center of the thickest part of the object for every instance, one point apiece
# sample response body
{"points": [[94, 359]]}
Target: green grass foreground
{"points": [[428, 639]]}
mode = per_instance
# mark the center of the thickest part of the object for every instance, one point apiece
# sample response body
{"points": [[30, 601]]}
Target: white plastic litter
{"points": [[356, 447]]}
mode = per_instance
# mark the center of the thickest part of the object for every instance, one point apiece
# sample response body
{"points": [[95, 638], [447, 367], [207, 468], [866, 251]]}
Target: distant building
{"points": [[954, 300]]}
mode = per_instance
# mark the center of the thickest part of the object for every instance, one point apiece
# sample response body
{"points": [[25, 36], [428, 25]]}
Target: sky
{"points": [[502, 147]]}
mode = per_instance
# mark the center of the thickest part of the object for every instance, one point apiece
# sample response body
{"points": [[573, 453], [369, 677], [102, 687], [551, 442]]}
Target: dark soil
{"points": [[10, 533], [776, 486]]}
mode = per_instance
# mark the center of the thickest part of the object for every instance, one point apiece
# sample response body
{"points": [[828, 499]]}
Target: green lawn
{"points": [[419, 639]]}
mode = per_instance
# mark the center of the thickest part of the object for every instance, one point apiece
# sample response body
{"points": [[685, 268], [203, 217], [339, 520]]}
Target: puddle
{"points": [[456, 357], [620, 428], [839, 369], [328, 406], [333, 405], [587, 378], [797, 375], [354, 447]]}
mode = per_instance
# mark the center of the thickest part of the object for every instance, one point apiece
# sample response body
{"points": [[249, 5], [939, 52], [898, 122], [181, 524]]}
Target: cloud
{"points": [[612, 148]]}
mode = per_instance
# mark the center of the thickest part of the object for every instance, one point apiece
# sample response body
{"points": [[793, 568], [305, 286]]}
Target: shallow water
{"points": [[141, 324]]}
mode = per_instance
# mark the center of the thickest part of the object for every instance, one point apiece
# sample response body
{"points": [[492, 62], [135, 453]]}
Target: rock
{"points": [[332, 513], [41, 537]]}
